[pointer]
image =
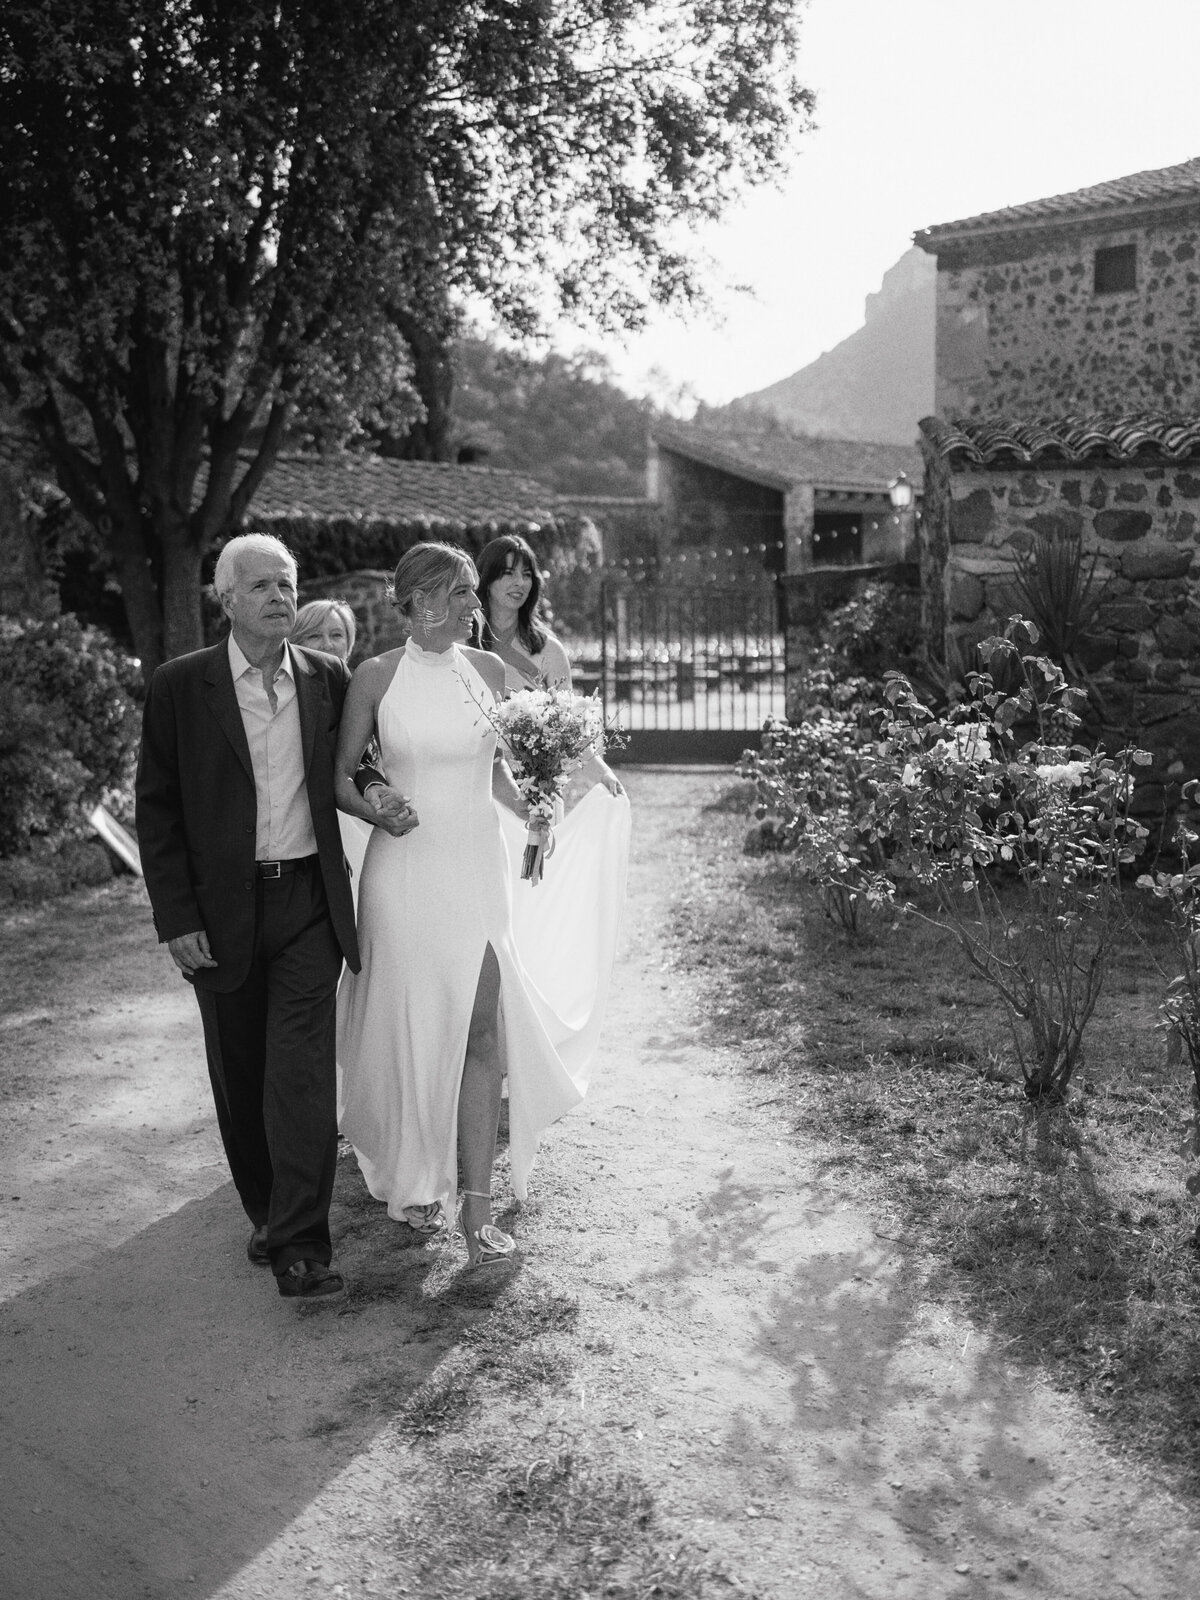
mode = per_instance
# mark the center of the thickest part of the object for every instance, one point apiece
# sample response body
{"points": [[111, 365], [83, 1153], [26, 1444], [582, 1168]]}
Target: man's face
{"points": [[262, 603]]}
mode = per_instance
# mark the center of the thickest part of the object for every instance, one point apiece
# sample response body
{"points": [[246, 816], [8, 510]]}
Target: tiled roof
{"points": [[1069, 441], [779, 460], [375, 489], [1163, 185]]}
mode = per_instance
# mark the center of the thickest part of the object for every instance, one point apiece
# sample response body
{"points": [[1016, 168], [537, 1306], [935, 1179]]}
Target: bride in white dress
{"points": [[442, 1004]]}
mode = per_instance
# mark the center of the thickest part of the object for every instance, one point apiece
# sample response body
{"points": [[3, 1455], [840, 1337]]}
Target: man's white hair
{"points": [[225, 573]]}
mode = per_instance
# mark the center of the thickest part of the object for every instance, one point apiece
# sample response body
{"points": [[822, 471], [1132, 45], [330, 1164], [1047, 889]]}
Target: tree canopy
{"points": [[560, 418], [214, 210]]}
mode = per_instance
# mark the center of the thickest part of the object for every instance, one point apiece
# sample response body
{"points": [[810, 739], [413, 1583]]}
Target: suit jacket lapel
{"points": [[307, 696], [222, 702]]}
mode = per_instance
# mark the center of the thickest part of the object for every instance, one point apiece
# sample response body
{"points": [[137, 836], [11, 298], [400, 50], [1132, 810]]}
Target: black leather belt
{"points": [[279, 869]]}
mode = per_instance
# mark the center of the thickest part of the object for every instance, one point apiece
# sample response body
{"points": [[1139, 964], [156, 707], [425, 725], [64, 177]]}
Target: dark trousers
{"points": [[270, 1051]]}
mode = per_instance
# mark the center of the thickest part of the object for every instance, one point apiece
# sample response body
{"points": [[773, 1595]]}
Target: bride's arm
{"points": [[354, 732]]}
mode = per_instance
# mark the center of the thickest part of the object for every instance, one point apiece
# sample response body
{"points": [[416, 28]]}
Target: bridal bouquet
{"points": [[546, 734]]}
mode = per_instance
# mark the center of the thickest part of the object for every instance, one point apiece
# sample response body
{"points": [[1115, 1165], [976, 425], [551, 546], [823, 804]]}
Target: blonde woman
{"points": [[327, 625], [442, 1003]]}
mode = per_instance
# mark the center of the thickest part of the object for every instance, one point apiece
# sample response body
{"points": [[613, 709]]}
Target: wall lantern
{"points": [[900, 493]]}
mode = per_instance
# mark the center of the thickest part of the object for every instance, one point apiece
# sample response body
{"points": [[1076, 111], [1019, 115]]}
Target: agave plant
{"points": [[1062, 596]]}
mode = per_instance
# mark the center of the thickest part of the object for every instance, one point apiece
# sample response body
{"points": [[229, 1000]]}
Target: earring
{"points": [[424, 615]]}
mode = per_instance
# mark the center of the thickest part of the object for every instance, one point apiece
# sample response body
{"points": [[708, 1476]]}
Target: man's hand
{"points": [[392, 811], [190, 951]]}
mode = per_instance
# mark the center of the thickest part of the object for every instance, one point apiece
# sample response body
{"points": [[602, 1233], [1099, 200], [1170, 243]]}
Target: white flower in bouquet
{"points": [[546, 734]]}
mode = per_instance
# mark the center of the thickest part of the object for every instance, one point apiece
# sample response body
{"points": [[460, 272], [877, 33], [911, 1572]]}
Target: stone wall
{"points": [[1143, 524], [1021, 331], [705, 506]]}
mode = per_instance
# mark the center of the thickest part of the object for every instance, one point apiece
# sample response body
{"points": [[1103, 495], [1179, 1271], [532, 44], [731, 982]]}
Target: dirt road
{"points": [[718, 1326]]}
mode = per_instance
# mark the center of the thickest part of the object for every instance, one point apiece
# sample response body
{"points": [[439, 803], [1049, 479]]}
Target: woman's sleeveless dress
{"points": [[566, 928], [429, 905]]}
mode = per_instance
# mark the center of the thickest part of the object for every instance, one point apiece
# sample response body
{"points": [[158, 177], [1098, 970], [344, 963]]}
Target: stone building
{"points": [[778, 501], [1079, 303], [1129, 490]]}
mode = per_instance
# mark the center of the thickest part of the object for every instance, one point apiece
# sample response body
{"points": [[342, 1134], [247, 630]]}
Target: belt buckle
{"points": [[270, 869]]}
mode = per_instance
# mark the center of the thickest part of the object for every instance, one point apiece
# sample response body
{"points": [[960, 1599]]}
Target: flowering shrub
{"points": [[812, 776], [1179, 1013], [68, 728], [994, 790]]}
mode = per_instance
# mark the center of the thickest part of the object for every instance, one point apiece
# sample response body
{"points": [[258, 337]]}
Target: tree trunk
{"points": [[433, 379], [182, 628], [139, 592]]}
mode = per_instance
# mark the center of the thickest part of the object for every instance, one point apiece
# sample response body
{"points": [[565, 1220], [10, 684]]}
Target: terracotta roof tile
{"points": [[1164, 184], [375, 489], [779, 460], [1069, 441]]}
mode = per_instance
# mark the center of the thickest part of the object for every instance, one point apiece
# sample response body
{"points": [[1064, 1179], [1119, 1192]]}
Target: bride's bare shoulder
{"points": [[376, 673], [489, 667]]}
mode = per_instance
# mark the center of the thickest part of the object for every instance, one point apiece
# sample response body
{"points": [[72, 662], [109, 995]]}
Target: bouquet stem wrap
{"points": [[541, 816]]}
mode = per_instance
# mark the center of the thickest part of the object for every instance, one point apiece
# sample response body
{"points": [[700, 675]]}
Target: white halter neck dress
{"points": [[429, 905]]}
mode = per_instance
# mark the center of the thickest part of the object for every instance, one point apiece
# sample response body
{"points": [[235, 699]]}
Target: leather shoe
{"points": [[256, 1248], [309, 1280]]}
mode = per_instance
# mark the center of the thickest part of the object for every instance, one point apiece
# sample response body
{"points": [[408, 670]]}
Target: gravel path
{"points": [[747, 1343]]}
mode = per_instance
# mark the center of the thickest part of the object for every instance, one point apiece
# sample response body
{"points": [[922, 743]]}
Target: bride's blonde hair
{"points": [[429, 566]]}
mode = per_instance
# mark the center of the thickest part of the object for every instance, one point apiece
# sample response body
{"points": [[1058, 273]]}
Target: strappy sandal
{"points": [[489, 1244], [428, 1220]]}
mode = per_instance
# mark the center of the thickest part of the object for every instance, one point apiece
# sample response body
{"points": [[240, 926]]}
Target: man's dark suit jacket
{"points": [[197, 809]]}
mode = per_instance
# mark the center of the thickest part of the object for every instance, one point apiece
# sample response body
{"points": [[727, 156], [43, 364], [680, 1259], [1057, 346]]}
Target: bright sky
{"points": [[928, 111]]}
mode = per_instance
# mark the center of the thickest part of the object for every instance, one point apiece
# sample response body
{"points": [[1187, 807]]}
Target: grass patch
{"points": [[559, 1526], [1068, 1233], [518, 1347]]}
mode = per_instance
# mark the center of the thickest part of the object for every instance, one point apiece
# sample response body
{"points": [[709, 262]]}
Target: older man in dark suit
{"points": [[243, 862]]}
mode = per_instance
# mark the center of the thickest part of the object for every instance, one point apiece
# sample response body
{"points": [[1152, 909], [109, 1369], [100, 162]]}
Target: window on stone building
{"points": [[1116, 268]]}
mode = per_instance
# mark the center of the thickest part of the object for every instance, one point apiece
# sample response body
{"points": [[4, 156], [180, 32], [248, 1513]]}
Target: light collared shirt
{"points": [[285, 827]]}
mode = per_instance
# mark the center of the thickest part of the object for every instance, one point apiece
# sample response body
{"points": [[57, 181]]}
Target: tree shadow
{"points": [[875, 1393], [165, 1414]]}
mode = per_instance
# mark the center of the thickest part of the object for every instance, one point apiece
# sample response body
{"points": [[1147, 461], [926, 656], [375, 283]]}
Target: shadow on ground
{"points": [[165, 1415]]}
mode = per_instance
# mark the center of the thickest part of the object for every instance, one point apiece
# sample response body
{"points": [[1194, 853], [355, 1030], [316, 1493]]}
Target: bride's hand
{"points": [[393, 813], [610, 780]]}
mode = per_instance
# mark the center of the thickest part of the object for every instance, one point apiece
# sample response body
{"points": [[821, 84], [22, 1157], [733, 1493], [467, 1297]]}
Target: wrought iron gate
{"points": [[690, 672]]}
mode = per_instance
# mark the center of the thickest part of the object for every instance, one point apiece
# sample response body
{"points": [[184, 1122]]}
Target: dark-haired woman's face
{"points": [[511, 589]]}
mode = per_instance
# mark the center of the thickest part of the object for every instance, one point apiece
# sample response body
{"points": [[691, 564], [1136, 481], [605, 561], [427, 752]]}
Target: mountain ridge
{"points": [[877, 383]]}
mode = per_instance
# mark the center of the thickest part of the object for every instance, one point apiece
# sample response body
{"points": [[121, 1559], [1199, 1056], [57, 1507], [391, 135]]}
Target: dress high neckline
{"points": [[429, 658]]}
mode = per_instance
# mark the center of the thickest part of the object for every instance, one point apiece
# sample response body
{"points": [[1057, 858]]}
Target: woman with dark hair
{"points": [[513, 627], [442, 1004], [566, 926]]}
